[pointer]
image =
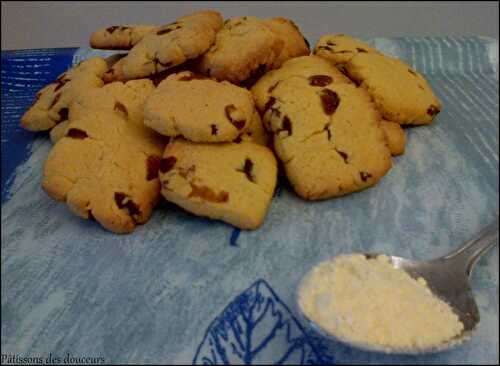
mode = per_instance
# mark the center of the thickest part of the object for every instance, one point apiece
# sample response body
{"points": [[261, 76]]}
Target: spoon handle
{"points": [[471, 251]]}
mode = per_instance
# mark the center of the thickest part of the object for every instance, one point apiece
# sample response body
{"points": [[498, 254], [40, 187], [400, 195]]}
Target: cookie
{"points": [[127, 99], [244, 48], [316, 69], [294, 43], [339, 48], [328, 137], [395, 136], [106, 168], [401, 94], [199, 109], [230, 182], [51, 106], [119, 37], [170, 45]]}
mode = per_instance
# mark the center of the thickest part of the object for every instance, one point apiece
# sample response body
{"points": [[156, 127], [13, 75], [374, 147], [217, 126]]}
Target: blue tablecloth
{"points": [[184, 289]]}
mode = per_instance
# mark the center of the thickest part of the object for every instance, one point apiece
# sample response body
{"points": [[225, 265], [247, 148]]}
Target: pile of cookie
{"points": [[204, 113]]}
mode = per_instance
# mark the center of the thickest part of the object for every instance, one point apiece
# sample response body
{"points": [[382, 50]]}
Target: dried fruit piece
{"points": [[320, 80], [239, 124], [152, 166], [247, 169], [167, 163], [364, 176], [432, 110], [76, 133], [119, 107], [208, 194], [214, 129], [330, 101], [124, 202]]}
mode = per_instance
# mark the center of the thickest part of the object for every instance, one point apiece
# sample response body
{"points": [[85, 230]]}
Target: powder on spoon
{"points": [[368, 301]]}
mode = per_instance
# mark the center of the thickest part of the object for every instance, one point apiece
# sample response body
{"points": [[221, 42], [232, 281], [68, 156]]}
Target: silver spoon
{"points": [[448, 278]]}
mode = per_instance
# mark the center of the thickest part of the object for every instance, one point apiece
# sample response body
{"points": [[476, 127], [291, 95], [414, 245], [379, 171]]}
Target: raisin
{"points": [[286, 125], [214, 129], [124, 201], [63, 114], [208, 194], [343, 155], [412, 72], [237, 140], [247, 169], [239, 124], [432, 110], [325, 48], [55, 100], [269, 104], [152, 166], [76, 133], [167, 163], [119, 107], [60, 82], [167, 30], [331, 43], [359, 49], [320, 80], [330, 101], [364, 176], [272, 87]]}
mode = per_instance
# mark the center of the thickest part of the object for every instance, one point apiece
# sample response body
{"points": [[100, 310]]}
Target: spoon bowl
{"points": [[448, 279]]}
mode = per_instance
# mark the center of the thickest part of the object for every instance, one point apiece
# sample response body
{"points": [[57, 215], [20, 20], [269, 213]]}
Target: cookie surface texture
{"points": [[199, 108], [244, 48], [104, 163], [328, 137], [401, 94], [170, 45], [340, 48], [51, 106], [231, 182], [316, 69], [119, 37]]}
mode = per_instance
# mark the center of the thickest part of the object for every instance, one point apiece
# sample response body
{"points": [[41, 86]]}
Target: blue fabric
{"points": [[182, 289], [23, 74]]}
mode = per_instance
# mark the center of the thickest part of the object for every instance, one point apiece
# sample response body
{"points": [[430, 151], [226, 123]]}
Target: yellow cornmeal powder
{"points": [[372, 303]]}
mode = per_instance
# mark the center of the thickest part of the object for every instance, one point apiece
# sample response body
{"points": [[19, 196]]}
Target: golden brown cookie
{"points": [[244, 48], [106, 168], [340, 48], [231, 182], [199, 109], [119, 37], [327, 135], [170, 45], [401, 94]]}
